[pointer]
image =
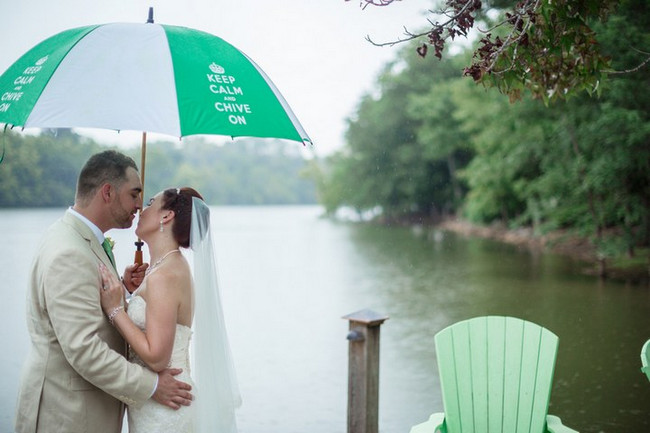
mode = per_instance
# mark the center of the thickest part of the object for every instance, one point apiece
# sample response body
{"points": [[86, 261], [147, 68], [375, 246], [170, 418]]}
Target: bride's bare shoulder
{"points": [[173, 276]]}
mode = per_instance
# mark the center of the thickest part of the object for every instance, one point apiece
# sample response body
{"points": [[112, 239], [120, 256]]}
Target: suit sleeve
{"points": [[71, 287]]}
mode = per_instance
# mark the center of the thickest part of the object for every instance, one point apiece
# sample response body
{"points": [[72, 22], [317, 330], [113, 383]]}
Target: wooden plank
{"points": [[545, 371], [464, 376], [478, 341], [512, 377], [496, 372], [527, 381], [448, 373]]}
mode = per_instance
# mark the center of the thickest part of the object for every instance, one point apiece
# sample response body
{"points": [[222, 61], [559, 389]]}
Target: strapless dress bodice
{"points": [[153, 417], [181, 351]]}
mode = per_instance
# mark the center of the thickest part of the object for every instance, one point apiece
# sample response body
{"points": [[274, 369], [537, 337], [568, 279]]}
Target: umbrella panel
{"points": [[145, 77]]}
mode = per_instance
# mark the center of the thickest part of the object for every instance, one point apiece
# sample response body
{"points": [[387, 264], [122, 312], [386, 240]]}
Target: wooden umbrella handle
{"points": [[138, 252], [143, 157]]}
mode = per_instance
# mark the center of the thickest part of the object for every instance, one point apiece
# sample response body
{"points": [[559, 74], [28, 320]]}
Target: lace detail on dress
{"points": [[153, 417]]}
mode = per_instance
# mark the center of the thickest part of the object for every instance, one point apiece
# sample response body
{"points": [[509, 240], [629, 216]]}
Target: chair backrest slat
{"points": [[479, 378], [545, 372], [495, 374], [449, 379], [496, 362]]}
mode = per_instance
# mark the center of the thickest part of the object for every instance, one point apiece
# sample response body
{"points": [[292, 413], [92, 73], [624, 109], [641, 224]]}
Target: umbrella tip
{"points": [[150, 18]]}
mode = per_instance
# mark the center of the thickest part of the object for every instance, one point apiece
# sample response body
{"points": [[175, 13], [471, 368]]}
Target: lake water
{"points": [[287, 277]]}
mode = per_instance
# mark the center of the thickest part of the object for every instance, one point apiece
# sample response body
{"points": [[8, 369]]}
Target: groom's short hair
{"points": [[108, 166]]}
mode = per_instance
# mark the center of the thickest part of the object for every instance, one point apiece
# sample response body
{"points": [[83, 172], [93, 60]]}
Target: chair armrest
{"points": [[435, 424], [646, 370], [554, 425], [645, 359]]}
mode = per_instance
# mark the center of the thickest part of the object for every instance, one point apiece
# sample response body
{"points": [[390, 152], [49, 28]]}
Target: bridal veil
{"points": [[216, 389]]}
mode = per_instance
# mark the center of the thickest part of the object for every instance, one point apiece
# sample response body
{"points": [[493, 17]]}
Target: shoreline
{"points": [[629, 270], [560, 242]]}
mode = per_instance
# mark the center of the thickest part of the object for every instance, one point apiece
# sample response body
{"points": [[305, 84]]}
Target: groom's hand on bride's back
{"points": [[171, 392]]}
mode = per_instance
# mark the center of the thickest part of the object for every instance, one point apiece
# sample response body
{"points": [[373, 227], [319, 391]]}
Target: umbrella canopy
{"points": [[144, 77]]}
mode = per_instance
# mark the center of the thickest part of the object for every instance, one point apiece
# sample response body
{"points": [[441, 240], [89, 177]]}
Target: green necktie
{"points": [[109, 251]]}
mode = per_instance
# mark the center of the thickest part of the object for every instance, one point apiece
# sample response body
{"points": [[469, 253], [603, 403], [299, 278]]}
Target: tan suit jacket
{"points": [[75, 378]]}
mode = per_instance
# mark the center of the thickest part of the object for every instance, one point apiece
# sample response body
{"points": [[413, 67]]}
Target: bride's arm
{"points": [[155, 346]]}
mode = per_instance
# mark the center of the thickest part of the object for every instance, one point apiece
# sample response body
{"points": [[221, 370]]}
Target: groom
{"points": [[76, 378]]}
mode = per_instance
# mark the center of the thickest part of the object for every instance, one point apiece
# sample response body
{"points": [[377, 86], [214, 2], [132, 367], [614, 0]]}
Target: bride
{"points": [[158, 324]]}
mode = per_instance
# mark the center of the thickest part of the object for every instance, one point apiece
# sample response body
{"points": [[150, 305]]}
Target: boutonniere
{"points": [[111, 242]]}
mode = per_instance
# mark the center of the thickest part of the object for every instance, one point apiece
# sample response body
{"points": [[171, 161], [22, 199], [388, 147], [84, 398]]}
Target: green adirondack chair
{"points": [[645, 359], [496, 375]]}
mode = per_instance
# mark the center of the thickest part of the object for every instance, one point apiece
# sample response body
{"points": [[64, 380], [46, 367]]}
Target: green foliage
{"points": [[548, 48], [392, 162], [429, 142], [42, 170], [508, 148]]}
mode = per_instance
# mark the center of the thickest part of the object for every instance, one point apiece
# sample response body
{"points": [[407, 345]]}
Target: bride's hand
{"points": [[112, 290], [133, 276]]}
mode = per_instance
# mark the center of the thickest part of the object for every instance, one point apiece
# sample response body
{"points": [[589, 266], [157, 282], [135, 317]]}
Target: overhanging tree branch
{"points": [[635, 69], [548, 48]]}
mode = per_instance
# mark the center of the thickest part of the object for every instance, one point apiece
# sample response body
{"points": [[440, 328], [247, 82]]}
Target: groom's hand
{"points": [[171, 392]]}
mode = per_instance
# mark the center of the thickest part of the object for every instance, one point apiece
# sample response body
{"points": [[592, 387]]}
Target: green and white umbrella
{"points": [[148, 78], [144, 77]]}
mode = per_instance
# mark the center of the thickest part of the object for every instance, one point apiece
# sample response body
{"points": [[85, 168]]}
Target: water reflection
{"points": [[287, 278], [430, 281]]}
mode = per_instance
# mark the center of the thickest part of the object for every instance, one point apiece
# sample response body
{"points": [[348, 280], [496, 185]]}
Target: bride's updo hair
{"points": [[179, 200]]}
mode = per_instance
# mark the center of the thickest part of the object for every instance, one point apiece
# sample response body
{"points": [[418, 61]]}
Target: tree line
{"points": [[41, 170], [429, 143]]}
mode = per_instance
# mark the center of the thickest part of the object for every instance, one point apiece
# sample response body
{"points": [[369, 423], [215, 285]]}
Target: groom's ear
{"points": [[106, 190]]}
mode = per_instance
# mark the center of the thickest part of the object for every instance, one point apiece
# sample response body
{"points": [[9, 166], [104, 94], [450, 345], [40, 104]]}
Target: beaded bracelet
{"points": [[113, 313]]}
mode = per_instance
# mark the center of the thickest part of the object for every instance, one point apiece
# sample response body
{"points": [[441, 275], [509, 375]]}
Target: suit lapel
{"points": [[87, 234]]}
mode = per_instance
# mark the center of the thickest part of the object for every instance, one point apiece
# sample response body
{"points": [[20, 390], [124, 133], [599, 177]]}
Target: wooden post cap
{"points": [[367, 317]]}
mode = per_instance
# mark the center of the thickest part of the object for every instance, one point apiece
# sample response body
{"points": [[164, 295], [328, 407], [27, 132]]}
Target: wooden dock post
{"points": [[363, 371]]}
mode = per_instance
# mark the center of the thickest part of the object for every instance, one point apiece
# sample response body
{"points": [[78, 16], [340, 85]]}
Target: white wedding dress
{"points": [[153, 417], [213, 407]]}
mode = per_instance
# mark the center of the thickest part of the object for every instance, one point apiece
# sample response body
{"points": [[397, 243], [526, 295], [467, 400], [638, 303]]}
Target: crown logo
{"points": [[42, 60], [217, 69]]}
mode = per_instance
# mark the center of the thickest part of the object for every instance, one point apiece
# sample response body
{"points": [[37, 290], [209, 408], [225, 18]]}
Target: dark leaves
{"points": [[548, 48]]}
